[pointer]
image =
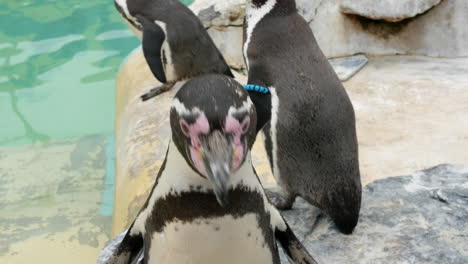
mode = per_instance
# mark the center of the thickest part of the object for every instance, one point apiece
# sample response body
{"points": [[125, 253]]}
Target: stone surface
{"points": [[51, 205], [220, 13], [439, 32], [308, 8], [388, 10], [224, 21], [411, 114], [347, 67], [422, 218], [232, 12], [229, 42], [410, 111]]}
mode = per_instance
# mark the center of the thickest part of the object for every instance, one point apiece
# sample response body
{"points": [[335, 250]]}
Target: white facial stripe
{"points": [[137, 31], [245, 108], [123, 5], [182, 110], [253, 16]]}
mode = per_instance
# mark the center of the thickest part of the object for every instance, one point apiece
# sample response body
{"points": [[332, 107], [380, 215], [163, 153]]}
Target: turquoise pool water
{"points": [[58, 63], [59, 60]]}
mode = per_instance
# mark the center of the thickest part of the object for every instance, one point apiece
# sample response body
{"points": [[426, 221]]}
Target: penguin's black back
{"points": [[316, 136], [193, 51]]}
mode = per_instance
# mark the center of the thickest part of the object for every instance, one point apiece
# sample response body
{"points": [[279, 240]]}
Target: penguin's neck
{"points": [[260, 8], [179, 177]]}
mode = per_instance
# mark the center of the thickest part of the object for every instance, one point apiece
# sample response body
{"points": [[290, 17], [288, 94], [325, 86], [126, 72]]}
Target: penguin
{"points": [[207, 204], [176, 46], [310, 137]]}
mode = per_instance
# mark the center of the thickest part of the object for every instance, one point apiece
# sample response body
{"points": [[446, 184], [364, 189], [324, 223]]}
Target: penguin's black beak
{"points": [[217, 158]]}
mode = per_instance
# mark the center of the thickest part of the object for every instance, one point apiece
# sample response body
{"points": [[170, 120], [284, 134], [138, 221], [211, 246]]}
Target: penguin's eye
{"points": [[185, 127], [245, 125]]}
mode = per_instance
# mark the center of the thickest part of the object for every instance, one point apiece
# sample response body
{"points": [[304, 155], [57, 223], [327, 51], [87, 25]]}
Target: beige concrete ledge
{"points": [[411, 115]]}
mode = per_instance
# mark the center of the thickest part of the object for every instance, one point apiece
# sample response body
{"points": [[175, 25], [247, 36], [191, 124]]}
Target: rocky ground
{"points": [[52, 206], [411, 115], [419, 218]]}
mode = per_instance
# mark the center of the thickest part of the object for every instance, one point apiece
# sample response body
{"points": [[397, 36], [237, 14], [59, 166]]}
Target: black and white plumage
{"points": [[176, 46], [311, 137], [207, 204]]}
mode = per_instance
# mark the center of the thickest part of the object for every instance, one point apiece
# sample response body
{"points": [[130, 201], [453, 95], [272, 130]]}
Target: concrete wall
{"points": [[440, 31]]}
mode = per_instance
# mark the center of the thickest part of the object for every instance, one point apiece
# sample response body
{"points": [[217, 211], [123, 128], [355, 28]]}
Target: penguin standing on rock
{"points": [[176, 46], [311, 138], [207, 204]]}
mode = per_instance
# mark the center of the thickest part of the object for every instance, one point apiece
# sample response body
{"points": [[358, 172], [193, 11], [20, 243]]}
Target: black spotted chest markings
{"points": [[196, 207]]}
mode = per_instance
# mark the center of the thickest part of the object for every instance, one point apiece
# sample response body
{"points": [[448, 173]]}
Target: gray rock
{"points": [[229, 42], [347, 67], [388, 10], [220, 13], [308, 8], [422, 218], [441, 32]]}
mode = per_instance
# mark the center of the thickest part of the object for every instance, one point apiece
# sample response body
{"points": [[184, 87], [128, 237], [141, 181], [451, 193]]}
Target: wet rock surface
{"points": [[388, 10], [347, 67], [421, 218]]}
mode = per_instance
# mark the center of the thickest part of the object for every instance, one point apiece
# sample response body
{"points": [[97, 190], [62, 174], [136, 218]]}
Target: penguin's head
{"points": [[128, 9], [213, 124]]}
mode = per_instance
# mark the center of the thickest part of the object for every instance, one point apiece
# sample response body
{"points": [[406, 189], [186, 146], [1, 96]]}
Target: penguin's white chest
{"points": [[226, 240]]}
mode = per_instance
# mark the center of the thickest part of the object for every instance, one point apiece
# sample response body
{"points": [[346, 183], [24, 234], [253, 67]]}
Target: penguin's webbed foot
{"points": [[279, 201], [157, 91]]}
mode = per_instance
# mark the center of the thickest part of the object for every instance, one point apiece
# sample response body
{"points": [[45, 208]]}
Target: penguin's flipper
{"points": [[261, 101], [262, 104], [129, 249], [293, 248], [153, 39]]}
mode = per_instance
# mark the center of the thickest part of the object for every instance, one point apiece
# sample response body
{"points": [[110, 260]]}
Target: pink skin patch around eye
{"points": [[237, 129], [193, 131]]}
